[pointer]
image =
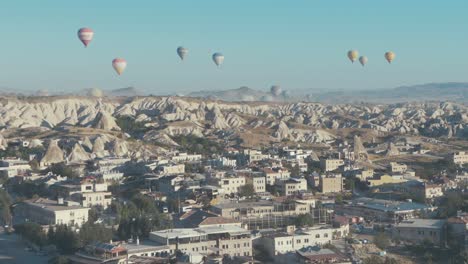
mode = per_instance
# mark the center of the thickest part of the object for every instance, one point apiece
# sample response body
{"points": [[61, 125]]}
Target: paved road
{"points": [[12, 251]]}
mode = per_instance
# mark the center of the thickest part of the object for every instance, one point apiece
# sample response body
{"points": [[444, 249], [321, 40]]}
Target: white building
{"points": [[13, 167], [258, 182], [49, 212], [168, 169], [231, 185], [223, 162], [110, 164], [87, 192], [274, 174], [331, 164], [224, 240], [109, 176], [460, 157], [183, 157], [398, 167], [292, 240], [293, 186]]}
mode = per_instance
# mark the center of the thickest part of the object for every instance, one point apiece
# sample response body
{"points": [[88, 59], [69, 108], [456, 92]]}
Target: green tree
{"points": [[32, 232], [339, 198], [202, 145], [247, 190], [34, 165], [295, 171], [5, 202], [372, 260], [130, 126], [63, 170], [59, 260], [29, 189], [428, 258], [381, 240], [93, 214], [90, 232], [462, 257], [304, 220], [66, 240], [132, 168]]}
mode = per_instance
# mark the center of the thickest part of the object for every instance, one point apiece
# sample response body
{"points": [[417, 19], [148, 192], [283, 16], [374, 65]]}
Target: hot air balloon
{"points": [[275, 90], [363, 60], [95, 92], [119, 65], [85, 35], [218, 58], [182, 52], [389, 56], [353, 55]]}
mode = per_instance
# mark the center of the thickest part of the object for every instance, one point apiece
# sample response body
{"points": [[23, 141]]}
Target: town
{"points": [[348, 200]]}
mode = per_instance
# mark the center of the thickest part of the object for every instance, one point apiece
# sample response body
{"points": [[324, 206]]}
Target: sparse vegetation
{"points": [[381, 240], [63, 170], [194, 144], [131, 127]]}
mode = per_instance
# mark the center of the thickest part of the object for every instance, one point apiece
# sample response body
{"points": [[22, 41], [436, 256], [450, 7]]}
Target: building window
{"points": [[317, 236]]}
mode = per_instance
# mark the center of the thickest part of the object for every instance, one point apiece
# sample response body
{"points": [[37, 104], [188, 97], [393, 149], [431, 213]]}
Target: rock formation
{"points": [[360, 152], [78, 154], [53, 154]]}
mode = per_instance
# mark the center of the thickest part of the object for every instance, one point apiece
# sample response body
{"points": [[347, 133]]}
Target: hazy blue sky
{"points": [[299, 44]]}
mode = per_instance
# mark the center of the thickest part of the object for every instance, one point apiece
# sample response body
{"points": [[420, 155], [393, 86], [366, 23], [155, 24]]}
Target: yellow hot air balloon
{"points": [[353, 55], [389, 56]]}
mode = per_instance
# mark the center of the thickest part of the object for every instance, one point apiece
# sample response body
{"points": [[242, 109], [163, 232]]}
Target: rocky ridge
{"points": [[171, 116]]}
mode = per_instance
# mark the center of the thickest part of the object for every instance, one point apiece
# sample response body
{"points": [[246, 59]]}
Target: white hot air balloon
{"points": [[182, 52], [95, 92], [218, 58], [119, 65], [363, 60]]}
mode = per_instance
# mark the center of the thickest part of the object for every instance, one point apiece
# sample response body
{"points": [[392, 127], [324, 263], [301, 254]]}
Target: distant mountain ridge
{"points": [[450, 91], [447, 91]]}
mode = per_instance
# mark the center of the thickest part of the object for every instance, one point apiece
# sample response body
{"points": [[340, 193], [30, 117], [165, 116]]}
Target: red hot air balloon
{"points": [[85, 35]]}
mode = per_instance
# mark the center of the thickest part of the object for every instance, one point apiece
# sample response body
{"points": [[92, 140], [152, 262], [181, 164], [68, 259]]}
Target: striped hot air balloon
{"points": [[119, 65], [85, 35]]}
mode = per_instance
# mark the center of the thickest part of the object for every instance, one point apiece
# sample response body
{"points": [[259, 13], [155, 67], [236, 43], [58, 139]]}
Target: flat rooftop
{"points": [[144, 246], [52, 205], [423, 223], [196, 232], [243, 204], [388, 205]]}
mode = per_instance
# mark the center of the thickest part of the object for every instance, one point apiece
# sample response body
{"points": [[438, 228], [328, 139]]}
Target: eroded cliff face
{"points": [[300, 122]]}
